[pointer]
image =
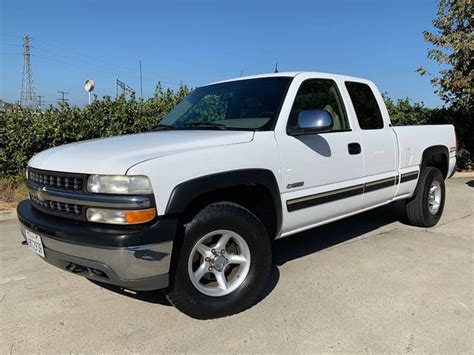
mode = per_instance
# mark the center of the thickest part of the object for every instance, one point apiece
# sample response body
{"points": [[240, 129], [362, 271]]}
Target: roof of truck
{"points": [[293, 74]]}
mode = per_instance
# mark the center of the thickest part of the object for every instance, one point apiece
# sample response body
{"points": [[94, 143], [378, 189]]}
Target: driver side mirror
{"points": [[312, 121]]}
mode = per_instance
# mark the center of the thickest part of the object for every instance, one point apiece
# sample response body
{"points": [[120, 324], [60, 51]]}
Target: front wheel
{"points": [[425, 208], [224, 262]]}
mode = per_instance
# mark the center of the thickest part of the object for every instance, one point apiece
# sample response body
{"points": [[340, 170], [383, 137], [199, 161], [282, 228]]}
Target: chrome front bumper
{"points": [[139, 267], [135, 262]]}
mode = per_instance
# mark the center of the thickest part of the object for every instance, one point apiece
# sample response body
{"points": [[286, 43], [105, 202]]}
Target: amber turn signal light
{"points": [[113, 216], [140, 216]]}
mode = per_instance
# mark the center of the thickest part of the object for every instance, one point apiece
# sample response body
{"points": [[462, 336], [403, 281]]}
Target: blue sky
{"points": [[197, 42]]}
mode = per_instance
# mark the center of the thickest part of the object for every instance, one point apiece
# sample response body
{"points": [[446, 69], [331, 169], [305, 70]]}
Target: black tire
{"points": [[223, 215], [418, 211]]}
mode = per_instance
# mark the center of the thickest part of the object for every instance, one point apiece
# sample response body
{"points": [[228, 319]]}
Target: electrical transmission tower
{"points": [[28, 94]]}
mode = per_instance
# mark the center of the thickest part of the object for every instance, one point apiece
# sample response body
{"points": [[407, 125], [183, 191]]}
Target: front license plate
{"points": [[34, 242]]}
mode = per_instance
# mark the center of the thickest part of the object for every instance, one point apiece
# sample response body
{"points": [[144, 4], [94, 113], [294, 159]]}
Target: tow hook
{"points": [[76, 269]]}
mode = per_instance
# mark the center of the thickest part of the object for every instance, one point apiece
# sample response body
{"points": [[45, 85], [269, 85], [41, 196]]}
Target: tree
{"points": [[454, 45]]}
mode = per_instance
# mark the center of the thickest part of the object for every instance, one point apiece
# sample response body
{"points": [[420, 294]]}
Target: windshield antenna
{"points": [[276, 68]]}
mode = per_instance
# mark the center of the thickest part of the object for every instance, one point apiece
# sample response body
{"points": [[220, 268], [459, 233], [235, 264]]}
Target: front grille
{"points": [[57, 180], [58, 208]]}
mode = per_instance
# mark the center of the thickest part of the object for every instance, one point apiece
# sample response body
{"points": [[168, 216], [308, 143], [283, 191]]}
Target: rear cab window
{"points": [[365, 105]]}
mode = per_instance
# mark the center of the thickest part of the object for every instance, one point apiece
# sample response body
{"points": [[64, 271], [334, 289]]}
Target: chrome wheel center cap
{"points": [[219, 262]]}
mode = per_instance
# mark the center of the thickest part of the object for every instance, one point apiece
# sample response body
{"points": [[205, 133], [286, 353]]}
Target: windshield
{"points": [[251, 104]]}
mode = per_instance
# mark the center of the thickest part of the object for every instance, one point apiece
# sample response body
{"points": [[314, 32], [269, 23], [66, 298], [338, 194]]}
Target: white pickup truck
{"points": [[192, 207]]}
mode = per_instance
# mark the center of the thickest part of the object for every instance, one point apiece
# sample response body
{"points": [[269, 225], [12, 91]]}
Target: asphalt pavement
{"points": [[368, 283]]}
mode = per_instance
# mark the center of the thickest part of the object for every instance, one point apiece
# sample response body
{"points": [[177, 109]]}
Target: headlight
{"points": [[119, 184], [103, 215]]}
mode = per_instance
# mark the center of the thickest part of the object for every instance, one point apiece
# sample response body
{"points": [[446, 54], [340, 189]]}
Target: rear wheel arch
{"points": [[436, 157]]}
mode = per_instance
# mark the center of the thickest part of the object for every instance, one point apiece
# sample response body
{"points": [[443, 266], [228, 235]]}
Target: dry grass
{"points": [[11, 192]]}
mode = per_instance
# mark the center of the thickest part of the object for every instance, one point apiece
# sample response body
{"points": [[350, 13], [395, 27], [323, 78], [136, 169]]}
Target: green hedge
{"points": [[25, 132]]}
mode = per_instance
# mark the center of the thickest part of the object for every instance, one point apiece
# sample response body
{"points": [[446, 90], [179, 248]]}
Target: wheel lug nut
{"points": [[223, 251], [207, 259], [210, 268], [213, 251]]}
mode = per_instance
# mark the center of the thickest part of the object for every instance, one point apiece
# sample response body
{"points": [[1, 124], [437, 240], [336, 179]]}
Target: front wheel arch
{"points": [[189, 197]]}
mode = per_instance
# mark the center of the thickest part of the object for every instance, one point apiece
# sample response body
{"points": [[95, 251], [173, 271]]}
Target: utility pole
{"points": [[39, 100], [141, 81], [62, 99], [28, 95], [125, 88]]}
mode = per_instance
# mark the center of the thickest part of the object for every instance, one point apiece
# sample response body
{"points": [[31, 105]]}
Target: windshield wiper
{"points": [[163, 127], [206, 124]]}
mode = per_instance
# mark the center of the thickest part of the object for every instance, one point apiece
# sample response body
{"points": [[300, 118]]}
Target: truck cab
{"points": [[192, 206]]}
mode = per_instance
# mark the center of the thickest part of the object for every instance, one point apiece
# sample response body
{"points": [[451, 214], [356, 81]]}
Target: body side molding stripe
{"points": [[409, 176], [380, 184], [325, 197], [334, 195]]}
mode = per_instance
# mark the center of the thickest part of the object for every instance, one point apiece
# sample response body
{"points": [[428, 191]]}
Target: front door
{"points": [[321, 173]]}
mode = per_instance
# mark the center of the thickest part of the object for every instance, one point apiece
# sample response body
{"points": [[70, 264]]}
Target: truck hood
{"points": [[117, 154]]}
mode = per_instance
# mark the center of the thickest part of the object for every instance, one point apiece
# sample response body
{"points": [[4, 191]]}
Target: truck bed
{"points": [[413, 140]]}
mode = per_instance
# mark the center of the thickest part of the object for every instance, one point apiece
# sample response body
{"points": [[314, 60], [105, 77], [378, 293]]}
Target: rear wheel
{"points": [[425, 208], [224, 262]]}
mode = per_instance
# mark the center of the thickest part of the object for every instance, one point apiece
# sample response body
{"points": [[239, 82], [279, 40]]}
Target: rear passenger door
{"points": [[378, 143]]}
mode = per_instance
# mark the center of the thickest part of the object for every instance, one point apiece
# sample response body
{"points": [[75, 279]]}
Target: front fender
{"points": [[184, 193]]}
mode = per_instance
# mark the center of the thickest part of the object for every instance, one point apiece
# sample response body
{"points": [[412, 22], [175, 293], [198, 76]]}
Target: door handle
{"points": [[354, 148]]}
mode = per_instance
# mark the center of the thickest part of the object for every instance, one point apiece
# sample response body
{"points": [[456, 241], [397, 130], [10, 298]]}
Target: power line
{"points": [[78, 54], [78, 60], [125, 71], [91, 63], [74, 65], [11, 44], [128, 70], [111, 72], [103, 70], [8, 35]]}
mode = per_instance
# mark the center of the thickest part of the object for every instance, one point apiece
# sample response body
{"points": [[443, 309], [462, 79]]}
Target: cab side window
{"points": [[365, 105], [319, 94]]}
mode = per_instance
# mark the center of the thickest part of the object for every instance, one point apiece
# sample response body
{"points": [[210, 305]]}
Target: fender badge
{"points": [[295, 184]]}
